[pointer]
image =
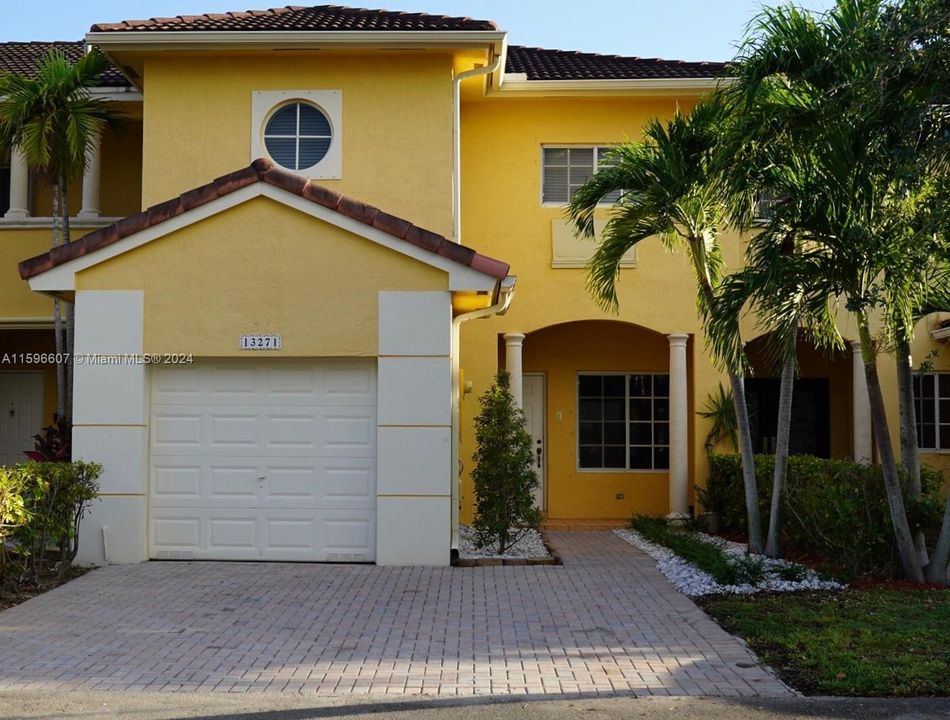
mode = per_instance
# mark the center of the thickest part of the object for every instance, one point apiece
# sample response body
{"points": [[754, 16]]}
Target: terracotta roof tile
{"points": [[263, 170], [541, 64], [325, 18], [22, 57]]}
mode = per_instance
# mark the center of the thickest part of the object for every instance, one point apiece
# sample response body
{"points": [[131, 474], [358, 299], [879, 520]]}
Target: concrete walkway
{"points": [[606, 622]]}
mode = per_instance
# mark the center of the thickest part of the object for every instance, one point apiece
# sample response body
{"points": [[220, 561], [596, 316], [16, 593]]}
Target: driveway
{"points": [[605, 622]]}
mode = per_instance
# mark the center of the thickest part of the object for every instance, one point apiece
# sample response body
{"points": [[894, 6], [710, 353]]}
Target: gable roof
{"points": [[264, 171], [23, 57], [542, 64], [326, 18]]}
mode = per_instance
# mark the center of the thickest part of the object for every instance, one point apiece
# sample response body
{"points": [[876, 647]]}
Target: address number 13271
{"points": [[260, 342]]}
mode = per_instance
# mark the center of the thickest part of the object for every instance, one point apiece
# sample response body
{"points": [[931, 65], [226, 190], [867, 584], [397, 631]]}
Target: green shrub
{"points": [[13, 512], [834, 510], [504, 474], [54, 496], [724, 569]]}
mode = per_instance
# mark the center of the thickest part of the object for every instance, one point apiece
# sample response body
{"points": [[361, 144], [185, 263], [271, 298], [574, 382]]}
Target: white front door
{"points": [[534, 411], [263, 460], [21, 414]]}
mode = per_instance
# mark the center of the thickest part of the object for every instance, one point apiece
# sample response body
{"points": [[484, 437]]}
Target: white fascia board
{"points": [[116, 94], [62, 278], [516, 84], [200, 39]]}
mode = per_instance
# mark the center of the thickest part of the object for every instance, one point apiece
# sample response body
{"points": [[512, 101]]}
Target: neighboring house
{"points": [[326, 209]]}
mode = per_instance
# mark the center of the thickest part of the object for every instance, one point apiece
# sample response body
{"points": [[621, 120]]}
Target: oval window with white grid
{"points": [[298, 135]]}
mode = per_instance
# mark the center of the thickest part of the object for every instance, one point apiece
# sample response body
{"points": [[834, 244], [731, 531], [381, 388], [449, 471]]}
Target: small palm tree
{"points": [[55, 122], [668, 192]]}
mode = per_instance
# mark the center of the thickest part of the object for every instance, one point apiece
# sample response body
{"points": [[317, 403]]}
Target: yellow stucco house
{"points": [[318, 236]]}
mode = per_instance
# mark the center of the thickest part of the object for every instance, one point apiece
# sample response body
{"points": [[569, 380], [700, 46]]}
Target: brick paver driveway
{"points": [[604, 622]]}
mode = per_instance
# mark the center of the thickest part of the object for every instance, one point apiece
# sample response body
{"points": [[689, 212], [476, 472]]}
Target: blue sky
{"points": [[675, 29]]}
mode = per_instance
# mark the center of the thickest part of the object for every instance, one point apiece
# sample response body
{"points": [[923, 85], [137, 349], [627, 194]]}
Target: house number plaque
{"points": [[260, 342]]}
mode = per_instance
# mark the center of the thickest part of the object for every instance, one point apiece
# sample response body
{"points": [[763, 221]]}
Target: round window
{"points": [[297, 136]]}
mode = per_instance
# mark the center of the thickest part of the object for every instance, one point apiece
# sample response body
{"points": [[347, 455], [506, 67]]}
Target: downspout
{"points": [[506, 293], [457, 140]]}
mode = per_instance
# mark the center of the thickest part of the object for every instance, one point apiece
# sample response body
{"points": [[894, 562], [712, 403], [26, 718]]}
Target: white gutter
{"points": [[457, 137], [505, 295]]}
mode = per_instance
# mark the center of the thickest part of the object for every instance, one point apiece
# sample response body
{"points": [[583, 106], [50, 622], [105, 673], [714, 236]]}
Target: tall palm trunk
{"points": [[892, 486], [938, 571], [748, 463], [737, 383], [786, 394], [70, 307], [910, 455], [58, 312]]}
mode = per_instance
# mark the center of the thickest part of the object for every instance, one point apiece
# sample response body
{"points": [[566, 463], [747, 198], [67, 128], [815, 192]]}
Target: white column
{"points": [[19, 186], [90, 182], [514, 342], [862, 433], [679, 428]]}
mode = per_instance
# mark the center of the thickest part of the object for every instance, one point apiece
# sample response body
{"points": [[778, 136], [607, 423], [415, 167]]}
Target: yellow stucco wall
{"points": [[397, 123], [502, 216], [262, 267]]}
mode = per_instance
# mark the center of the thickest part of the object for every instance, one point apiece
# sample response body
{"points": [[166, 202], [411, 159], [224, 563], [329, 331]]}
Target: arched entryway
{"points": [[609, 406]]}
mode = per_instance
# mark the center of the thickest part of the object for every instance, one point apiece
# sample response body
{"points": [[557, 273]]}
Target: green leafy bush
{"points": [[503, 475], [725, 569], [834, 510], [13, 512], [54, 498]]}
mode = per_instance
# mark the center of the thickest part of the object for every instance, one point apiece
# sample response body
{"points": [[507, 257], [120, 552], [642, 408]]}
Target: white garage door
{"points": [[263, 460]]}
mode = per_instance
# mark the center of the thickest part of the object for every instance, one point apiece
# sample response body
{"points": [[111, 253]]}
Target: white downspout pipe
{"points": [[457, 140], [505, 296]]}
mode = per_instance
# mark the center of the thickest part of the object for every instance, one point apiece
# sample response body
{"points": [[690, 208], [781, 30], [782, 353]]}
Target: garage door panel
{"points": [[263, 482], [264, 460], [334, 535], [328, 383], [253, 431]]}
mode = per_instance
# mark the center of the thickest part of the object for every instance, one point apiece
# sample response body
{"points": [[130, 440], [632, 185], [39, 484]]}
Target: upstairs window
{"points": [[565, 169], [298, 136]]}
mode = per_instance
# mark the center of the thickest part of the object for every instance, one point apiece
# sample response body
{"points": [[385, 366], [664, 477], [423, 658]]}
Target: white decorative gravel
{"points": [[690, 580], [531, 545]]}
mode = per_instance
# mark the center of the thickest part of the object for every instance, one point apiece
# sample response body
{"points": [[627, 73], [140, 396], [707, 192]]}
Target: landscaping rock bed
{"points": [[692, 581], [531, 549]]}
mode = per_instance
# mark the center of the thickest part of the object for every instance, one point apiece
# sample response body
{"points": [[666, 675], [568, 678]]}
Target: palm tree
{"points": [[851, 92], [54, 121], [667, 191]]}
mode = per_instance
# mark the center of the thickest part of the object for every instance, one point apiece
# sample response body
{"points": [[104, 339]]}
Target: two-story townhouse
{"points": [[299, 223]]}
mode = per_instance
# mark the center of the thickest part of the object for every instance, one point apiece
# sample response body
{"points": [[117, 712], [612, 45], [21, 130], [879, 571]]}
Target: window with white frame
{"points": [[300, 130], [566, 169], [932, 410], [623, 421]]}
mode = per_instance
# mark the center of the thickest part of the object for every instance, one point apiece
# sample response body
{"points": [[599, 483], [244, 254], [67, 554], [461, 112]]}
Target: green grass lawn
{"points": [[870, 642]]}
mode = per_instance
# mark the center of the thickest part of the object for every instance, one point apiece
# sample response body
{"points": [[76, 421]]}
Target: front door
{"points": [[533, 393], [21, 414], [810, 431]]}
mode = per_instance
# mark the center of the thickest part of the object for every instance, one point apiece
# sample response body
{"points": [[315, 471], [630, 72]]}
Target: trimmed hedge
{"points": [[833, 510]]}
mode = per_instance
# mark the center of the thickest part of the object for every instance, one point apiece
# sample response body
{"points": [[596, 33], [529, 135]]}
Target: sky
{"points": [[672, 29]]}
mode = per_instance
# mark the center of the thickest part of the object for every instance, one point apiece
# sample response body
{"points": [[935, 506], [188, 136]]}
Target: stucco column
{"points": [[514, 342], [679, 428], [862, 434], [19, 186], [90, 182]]}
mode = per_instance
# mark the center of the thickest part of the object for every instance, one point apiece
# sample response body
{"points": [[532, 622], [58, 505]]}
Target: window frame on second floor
{"points": [[597, 148]]}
